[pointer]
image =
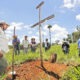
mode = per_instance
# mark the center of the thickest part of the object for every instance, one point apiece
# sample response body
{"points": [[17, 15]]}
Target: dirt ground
{"points": [[33, 71]]}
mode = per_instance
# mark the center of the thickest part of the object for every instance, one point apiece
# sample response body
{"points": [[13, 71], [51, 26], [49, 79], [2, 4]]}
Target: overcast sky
{"points": [[23, 13]]}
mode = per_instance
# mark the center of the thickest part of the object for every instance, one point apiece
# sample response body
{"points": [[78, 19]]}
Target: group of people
{"points": [[66, 46], [25, 44]]}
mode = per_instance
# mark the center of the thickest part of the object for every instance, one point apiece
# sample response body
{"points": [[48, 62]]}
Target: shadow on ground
{"points": [[49, 72]]}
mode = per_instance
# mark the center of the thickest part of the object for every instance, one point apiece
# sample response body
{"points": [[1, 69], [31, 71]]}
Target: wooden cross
{"points": [[39, 23]]}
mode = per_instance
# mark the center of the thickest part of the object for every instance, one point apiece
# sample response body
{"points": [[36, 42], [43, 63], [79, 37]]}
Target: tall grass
{"points": [[72, 57], [73, 73]]}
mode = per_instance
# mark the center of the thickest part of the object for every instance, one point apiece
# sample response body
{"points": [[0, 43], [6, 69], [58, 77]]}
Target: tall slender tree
{"points": [[49, 27]]}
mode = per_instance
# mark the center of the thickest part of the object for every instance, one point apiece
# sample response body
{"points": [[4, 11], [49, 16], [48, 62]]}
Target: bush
{"points": [[72, 74]]}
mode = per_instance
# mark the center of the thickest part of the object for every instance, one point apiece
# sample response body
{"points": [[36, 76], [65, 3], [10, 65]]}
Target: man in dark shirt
{"points": [[16, 44], [33, 45], [65, 47], [47, 45]]}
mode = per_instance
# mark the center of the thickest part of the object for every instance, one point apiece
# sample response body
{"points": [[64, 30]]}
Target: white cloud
{"points": [[75, 30], [28, 27], [78, 17], [58, 29], [30, 32], [8, 32], [18, 26], [45, 27], [58, 32], [44, 33], [71, 3]]}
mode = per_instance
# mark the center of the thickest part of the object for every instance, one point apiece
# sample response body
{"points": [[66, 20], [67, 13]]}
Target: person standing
{"points": [[65, 47], [79, 46], [47, 45], [3, 47], [16, 44], [33, 45], [25, 44]]}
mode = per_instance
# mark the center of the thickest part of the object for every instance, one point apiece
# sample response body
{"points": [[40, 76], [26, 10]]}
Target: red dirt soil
{"points": [[33, 71]]}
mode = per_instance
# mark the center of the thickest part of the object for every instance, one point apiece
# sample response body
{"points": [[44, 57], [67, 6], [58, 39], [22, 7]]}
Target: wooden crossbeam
{"points": [[47, 18], [40, 4]]}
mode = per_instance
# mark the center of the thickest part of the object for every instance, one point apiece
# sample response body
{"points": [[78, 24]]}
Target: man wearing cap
{"points": [[3, 47]]}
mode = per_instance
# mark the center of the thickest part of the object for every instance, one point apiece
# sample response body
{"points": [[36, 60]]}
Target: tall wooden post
{"points": [[40, 36], [13, 72], [50, 36], [14, 30]]}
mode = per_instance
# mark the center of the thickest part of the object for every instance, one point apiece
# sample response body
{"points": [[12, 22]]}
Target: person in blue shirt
{"points": [[16, 44], [79, 46]]}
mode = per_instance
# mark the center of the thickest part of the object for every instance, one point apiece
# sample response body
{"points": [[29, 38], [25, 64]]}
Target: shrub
{"points": [[72, 74]]}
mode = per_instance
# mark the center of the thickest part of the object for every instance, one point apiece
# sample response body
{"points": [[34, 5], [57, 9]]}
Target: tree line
{"points": [[73, 37]]}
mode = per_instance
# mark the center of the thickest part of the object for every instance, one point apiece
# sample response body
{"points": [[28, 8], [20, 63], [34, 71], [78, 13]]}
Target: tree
{"points": [[69, 38], [78, 28], [75, 36], [49, 27]]}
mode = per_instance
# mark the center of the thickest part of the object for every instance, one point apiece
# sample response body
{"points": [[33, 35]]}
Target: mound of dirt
{"points": [[33, 71]]}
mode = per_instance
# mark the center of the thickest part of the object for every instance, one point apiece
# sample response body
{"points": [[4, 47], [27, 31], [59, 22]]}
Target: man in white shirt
{"points": [[3, 47], [25, 44]]}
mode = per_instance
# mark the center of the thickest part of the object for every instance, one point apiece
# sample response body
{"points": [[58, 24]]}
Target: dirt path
{"points": [[33, 71]]}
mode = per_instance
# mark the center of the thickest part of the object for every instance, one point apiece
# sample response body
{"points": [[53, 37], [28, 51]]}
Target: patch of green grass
{"points": [[61, 57], [73, 73], [3, 76]]}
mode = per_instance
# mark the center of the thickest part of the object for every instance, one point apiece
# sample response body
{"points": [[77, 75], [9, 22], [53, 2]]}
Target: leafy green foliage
{"points": [[72, 74], [75, 36], [72, 57]]}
